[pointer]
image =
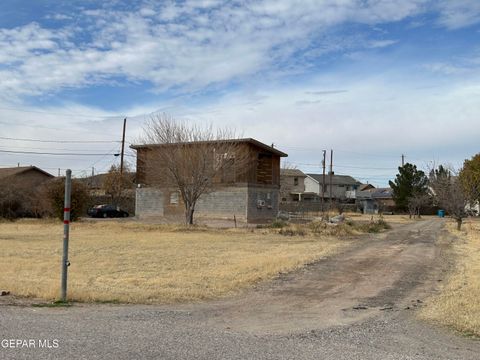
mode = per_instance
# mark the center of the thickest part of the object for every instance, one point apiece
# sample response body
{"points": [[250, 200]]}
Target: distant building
{"points": [[343, 187], [95, 183], [20, 190], [292, 185], [27, 177], [375, 200]]}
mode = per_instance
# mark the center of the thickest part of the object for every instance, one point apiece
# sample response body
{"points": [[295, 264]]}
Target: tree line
{"points": [[457, 192]]}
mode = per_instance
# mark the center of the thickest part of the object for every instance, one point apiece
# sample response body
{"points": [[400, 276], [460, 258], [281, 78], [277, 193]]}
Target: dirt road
{"points": [[387, 272], [356, 305]]}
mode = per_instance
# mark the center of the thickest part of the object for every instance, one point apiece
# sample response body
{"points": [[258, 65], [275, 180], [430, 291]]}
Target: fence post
{"points": [[66, 233]]}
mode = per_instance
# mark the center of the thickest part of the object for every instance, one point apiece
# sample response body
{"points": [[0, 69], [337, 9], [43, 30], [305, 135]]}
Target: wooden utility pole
{"points": [[123, 145], [323, 180], [331, 177]]}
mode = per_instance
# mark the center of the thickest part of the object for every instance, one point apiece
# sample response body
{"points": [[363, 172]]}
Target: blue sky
{"points": [[369, 79]]}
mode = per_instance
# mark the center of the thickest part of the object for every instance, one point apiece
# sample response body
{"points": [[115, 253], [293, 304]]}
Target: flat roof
{"points": [[244, 140]]}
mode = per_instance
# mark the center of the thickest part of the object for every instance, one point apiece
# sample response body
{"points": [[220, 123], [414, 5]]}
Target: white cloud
{"points": [[459, 13], [379, 116], [381, 43], [189, 45], [376, 116]]}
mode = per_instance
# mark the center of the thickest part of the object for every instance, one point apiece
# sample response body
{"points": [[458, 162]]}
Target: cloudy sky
{"points": [[370, 79]]}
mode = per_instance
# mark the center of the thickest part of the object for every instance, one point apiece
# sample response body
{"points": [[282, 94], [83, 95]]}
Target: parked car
{"points": [[106, 211]]}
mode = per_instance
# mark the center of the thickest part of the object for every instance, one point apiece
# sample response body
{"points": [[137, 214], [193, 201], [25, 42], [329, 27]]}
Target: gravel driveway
{"points": [[359, 304]]}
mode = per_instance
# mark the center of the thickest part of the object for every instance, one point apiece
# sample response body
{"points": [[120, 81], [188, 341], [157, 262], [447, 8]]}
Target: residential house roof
{"points": [[364, 187], [336, 179], [382, 193], [292, 172], [245, 140], [377, 193], [7, 172]]}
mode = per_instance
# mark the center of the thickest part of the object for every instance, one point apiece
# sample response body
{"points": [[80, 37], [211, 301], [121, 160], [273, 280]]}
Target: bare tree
{"points": [[115, 183], [416, 202], [449, 193], [191, 159]]}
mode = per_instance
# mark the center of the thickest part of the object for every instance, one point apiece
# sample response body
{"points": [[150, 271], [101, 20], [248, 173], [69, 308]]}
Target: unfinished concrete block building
{"points": [[249, 190]]}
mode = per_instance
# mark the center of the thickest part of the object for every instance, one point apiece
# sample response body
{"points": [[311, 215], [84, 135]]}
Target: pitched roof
{"points": [[7, 172], [363, 187], [245, 140], [378, 193], [336, 179], [292, 172], [382, 193]]}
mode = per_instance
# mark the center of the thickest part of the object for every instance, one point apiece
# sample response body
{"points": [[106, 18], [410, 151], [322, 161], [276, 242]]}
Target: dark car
{"points": [[106, 211]]}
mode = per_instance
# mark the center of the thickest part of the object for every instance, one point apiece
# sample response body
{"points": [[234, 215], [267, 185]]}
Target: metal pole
{"points": [[123, 145], [331, 176], [323, 181], [66, 233]]}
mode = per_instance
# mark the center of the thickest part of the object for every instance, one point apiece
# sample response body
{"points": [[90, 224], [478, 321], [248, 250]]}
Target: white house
{"points": [[343, 187]]}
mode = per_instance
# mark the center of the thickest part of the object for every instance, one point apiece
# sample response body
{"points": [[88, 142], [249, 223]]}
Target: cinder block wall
{"points": [[148, 202], [262, 204], [224, 203], [252, 204]]}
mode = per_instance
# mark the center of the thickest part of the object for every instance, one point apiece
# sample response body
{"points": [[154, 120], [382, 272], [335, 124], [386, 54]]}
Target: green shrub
{"points": [[278, 224]]}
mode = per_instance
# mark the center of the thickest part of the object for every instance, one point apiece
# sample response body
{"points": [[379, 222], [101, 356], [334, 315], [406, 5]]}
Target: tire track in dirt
{"points": [[382, 272]]}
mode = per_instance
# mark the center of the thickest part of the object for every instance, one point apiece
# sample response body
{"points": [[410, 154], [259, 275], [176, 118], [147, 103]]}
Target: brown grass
{"points": [[458, 303], [391, 219], [138, 263]]}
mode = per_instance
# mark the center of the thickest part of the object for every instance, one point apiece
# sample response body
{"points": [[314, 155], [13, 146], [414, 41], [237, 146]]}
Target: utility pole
{"points": [[331, 177], [66, 233], [403, 160], [323, 181], [123, 145]]}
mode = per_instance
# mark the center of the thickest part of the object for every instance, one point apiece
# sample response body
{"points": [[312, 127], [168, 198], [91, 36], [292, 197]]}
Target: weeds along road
{"points": [[359, 304]]}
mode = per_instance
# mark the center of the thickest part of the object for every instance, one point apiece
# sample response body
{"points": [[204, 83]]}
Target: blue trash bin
{"points": [[441, 213]]}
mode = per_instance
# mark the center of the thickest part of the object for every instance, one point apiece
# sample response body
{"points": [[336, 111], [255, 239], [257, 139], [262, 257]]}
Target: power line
{"points": [[63, 141], [48, 149], [52, 153], [349, 166]]}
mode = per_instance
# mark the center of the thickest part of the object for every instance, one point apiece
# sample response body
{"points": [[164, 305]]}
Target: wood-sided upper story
{"points": [[260, 164]]}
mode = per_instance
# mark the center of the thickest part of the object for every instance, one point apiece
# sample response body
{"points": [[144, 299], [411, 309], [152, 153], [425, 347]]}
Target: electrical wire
{"points": [[53, 153], [63, 141]]}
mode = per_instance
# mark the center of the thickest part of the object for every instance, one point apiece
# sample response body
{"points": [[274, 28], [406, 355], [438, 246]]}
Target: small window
{"points": [[295, 181], [174, 198], [269, 196]]}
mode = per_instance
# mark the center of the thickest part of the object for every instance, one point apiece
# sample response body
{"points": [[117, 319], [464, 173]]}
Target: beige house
{"points": [[26, 177], [292, 185]]}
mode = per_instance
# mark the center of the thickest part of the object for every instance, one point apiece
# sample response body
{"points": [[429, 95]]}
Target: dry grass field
{"points": [[391, 219], [137, 263], [458, 303]]}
